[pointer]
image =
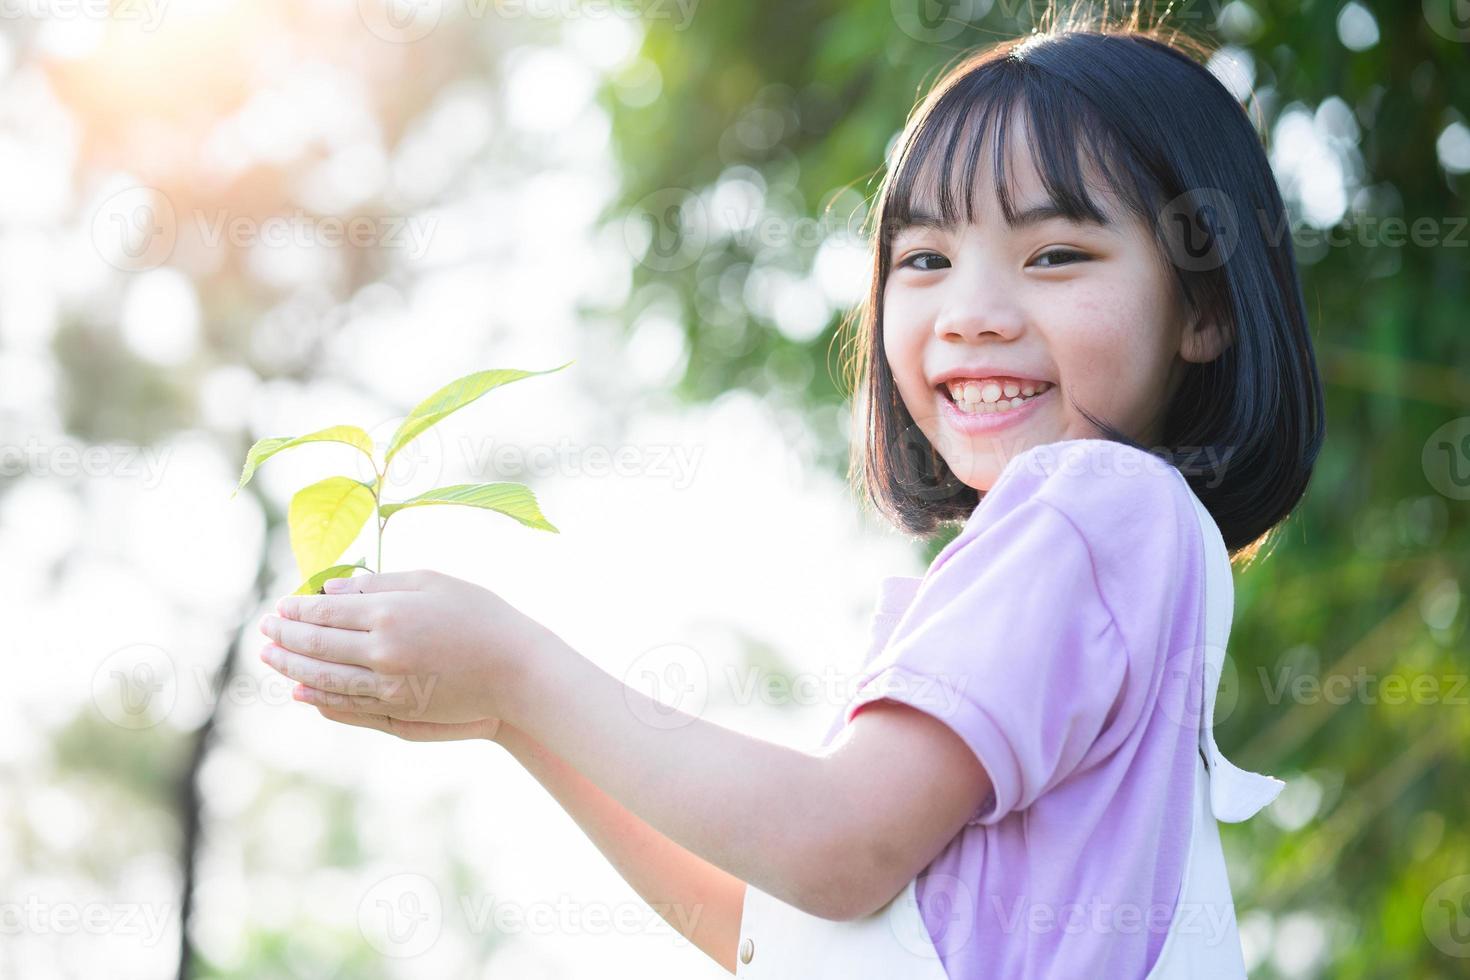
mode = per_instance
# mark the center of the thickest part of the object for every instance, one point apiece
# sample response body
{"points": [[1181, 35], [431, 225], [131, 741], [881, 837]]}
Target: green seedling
{"points": [[326, 517]]}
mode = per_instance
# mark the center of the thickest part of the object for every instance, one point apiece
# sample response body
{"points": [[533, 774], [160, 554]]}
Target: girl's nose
{"points": [[974, 316]]}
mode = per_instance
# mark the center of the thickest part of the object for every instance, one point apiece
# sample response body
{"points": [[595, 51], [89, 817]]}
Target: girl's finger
{"points": [[354, 703], [349, 612], [414, 731], [359, 719], [383, 582], [342, 646], [322, 674]]}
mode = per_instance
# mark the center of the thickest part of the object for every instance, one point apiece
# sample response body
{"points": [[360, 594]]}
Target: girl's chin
{"points": [[979, 467], [977, 472]]}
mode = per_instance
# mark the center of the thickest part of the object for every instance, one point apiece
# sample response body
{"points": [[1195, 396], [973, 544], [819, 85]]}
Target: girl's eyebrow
{"points": [[1034, 215]]}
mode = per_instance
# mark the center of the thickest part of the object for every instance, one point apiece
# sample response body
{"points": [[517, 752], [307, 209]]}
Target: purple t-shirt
{"points": [[1060, 635]]}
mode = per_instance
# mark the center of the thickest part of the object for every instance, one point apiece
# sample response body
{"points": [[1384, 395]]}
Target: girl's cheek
{"points": [[905, 321], [1106, 370], [903, 348], [1103, 332], [898, 336]]}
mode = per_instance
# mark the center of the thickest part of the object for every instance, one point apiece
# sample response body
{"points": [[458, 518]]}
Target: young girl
{"points": [[1080, 343]]}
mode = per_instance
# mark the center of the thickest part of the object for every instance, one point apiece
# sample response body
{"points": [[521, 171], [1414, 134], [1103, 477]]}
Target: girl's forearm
{"points": [[698, 899], [767, 814]]}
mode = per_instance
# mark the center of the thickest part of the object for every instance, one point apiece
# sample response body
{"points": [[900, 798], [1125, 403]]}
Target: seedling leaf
{"points": [[451, 398], [264, 449], [512, 499], [313, 585], [325, 518]]}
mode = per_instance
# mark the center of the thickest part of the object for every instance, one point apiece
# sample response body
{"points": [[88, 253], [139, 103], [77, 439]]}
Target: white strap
{"points": [[1235, 794]]}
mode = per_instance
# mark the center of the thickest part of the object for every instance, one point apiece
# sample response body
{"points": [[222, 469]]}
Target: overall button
{"points": [[747, 949]]}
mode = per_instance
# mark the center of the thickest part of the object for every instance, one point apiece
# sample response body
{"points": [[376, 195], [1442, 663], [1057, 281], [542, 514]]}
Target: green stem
{"points": [[377, 513]]}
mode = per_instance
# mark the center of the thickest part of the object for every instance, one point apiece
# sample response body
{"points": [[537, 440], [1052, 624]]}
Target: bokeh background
{"points": [[228, 219]]}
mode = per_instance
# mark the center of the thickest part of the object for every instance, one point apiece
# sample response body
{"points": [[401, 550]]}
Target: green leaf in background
{"points": [[451, 398], [313, 585], [266, 448], [512, 499], [325, 518]]}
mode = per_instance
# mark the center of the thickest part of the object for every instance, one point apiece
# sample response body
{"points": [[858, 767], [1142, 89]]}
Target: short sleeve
{"points": [[1011, 640]]}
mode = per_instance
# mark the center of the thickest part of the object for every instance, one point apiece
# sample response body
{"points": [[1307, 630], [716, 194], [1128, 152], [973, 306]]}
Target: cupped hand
{"points": [[417, 646], [407, 729]]}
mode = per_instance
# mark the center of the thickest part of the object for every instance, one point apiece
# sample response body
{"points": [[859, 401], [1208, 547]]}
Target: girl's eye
{"points": [[917, 257], [1062, 252]]}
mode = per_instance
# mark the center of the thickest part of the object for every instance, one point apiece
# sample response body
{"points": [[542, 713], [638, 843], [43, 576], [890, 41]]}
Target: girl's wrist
{"points": [[516, 703], [517, 744]]}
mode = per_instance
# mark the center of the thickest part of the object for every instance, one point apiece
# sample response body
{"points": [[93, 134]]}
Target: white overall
{"points": [[781, 942]]}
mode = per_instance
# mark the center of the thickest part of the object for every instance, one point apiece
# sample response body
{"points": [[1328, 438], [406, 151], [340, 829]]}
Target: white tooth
{"points": [[986, 397]]}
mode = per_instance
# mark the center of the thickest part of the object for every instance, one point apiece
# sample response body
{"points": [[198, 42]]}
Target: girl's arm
{"points": [[836, 835], [698, 899]]}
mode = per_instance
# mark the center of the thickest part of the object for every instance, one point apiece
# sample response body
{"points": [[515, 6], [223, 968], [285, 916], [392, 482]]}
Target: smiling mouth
{"points": [[990, 397]]}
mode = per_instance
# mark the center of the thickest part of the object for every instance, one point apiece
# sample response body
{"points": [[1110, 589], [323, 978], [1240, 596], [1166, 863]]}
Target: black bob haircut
{"points": [[1181, 154]]}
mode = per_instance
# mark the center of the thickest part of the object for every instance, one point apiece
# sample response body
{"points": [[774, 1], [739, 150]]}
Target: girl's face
{"points": [[1020, 315]]}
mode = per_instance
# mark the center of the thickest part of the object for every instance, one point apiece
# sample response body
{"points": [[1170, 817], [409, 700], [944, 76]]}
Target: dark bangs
{"points": [[1135, 117], [971, 118]]}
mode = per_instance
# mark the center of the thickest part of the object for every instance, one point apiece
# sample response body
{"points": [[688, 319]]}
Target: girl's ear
{"points": [[1202, 340]]}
